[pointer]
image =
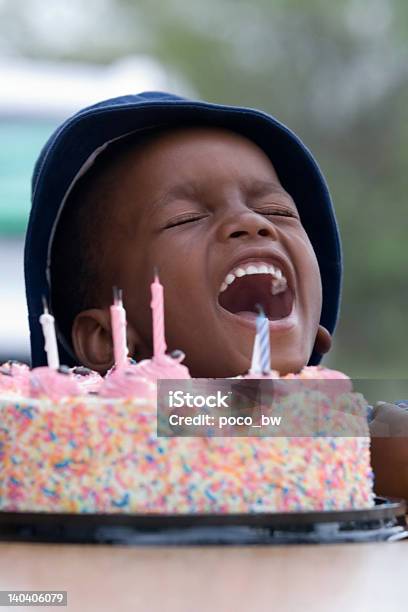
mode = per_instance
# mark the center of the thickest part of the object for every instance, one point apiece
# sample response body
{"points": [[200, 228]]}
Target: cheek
{"points": [[180, 258], [307, 269], [313, 272], [184, 272], [313, 286], [179, 262], [314, 292], [180, 266]]}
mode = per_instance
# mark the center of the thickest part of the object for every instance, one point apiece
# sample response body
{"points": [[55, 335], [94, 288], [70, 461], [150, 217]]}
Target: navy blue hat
{"points": [[74, 145]]}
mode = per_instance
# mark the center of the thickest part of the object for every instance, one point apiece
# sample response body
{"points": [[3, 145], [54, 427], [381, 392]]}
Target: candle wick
{"points": [[260, 310], [45, 305], [117, 296], [156, 273]]}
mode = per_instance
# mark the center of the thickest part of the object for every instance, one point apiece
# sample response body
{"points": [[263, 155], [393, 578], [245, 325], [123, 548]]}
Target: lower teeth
{"points": [[278, 286]]}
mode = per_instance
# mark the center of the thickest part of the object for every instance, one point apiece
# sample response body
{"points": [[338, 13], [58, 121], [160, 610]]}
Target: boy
{"points": [[223, 201]]}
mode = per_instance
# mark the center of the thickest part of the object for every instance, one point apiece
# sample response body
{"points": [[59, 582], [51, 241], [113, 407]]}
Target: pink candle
{"points": [[157, 305], [118, 321]]}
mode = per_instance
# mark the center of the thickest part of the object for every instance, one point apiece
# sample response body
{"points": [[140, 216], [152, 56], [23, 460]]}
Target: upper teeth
{"points": [[279, 282]]}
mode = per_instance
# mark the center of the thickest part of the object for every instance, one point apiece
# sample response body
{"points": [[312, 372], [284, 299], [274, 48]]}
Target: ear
{"points": [[92, 339], [323, 340]]}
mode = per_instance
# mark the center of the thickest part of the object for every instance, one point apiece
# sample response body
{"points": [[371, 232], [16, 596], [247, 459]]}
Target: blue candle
{"points": [[262, 330], [255, 363]]}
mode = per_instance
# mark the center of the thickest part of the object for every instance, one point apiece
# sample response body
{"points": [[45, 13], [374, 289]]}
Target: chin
{"points": [[208, 367], [292, 364]]}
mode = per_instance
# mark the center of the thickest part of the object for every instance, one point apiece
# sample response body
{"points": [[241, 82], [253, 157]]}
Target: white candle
{"points": [[51, 348]]}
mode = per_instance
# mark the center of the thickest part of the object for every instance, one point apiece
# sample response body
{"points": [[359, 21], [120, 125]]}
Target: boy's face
{"points": [[198, 203]]}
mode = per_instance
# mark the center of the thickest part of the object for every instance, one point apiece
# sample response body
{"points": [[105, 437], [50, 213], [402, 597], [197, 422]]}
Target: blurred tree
{"points": [[335, 72]]}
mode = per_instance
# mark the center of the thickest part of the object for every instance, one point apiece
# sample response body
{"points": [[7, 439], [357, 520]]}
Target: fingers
{"points": [[389, 421]]}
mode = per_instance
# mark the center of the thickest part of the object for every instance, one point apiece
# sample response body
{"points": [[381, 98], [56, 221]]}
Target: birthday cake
{"points": [[72, 441], [64, 448]]}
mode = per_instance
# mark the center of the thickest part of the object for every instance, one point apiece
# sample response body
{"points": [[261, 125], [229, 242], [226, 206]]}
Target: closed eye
{"points": [[183, 219], [282, 212]]}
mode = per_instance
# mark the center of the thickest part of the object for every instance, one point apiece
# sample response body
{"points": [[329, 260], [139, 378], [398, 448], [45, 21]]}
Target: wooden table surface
{"points": [[310, 578]]}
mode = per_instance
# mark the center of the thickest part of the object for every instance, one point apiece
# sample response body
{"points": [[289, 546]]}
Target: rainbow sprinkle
{"points": [[89, 454]]}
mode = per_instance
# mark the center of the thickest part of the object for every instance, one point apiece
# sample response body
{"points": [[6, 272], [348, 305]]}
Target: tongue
{"points": [[247, 314], [244, 295]]}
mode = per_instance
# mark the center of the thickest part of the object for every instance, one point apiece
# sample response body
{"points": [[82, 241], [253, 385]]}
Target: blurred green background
{"points": [[335, 72]]}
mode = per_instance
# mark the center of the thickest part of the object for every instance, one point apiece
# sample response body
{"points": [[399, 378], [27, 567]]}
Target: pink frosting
{"points": [[8, 384], [16, 368], [162, 367], [343, 383], [45, 382], [15, 378], [130, 363], [126, 382], [272, 374], [89, 382], [318, 373]]}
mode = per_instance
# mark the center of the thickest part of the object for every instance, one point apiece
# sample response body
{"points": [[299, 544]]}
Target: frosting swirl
{"points": [[162, 367], [46, 382], [125, 382], [88, 380], [15, 378]]}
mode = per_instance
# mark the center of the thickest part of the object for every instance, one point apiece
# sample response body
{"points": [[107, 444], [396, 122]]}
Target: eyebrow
{"points": [[259, 188], [183, 190], [254, 188]]}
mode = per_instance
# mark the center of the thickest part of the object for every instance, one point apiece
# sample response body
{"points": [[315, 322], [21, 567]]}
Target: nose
{"points": [[246, 224]]}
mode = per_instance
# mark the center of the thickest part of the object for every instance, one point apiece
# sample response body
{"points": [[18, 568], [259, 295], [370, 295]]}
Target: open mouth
{"points": [[248, 287]]}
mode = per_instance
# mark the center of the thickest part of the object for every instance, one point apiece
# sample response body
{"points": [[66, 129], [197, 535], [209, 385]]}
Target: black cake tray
{"points": [[385, 522]]}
